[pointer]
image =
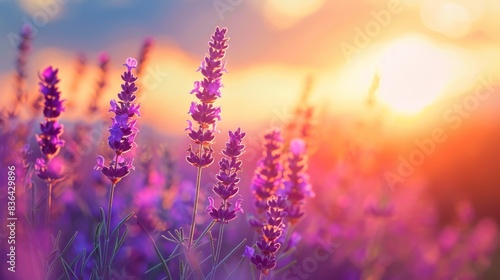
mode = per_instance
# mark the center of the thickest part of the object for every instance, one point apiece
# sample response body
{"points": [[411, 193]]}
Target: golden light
{"points": [[41, 12], [453, 18], [490, 23], [285, 13], [414, 72]]}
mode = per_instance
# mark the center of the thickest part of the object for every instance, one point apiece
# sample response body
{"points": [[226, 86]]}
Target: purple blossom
{"points": [[227, 179], [296, 181], [204, 113], [123, 129], [268, 175], [144, 53], [271, 231], [46, 172], [51, 130], [249, 252], [101, 84], [21, 61]]}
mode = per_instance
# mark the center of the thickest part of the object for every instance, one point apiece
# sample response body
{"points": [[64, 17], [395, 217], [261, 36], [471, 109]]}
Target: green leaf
{"points": [[204, 232], [232, 252], [286, 267], [102, 216], [169, 239], [66, 268], [71, 240], [287, 253], [120, 224], [122, 239], [236, 268], [157, 250]]}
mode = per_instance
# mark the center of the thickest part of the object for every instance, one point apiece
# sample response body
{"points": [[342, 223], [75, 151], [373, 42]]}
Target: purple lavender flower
{"points": [[271, 232], [122, 130], [205, 114], [268, 175], [46, 172], [51, 130], [147, 45], [296, 181], [227, 178], [101, 84], [23, 49]]}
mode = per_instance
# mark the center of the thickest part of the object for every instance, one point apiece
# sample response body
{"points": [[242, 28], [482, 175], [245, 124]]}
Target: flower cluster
{"points": [[205, 114], [271, 232], [51, 130], [227, 178], [268, 175], [122, 130], [296, 181]]}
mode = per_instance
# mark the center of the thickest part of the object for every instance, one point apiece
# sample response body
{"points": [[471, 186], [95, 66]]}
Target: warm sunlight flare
{"points": [[413, 74], [284, 13], [451, 18]]}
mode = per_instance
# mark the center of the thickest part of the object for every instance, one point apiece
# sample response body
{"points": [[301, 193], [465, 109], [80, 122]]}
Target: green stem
{"points": [[236, 268], [209, 227], [47, 223], [108, 232], [110, 209], [157, 250], [288, 235], [108, 225], [195, 206], [217, 250]]}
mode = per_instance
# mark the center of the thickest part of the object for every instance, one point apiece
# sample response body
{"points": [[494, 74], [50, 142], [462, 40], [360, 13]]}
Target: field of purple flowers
{"points": [[105, 196]]}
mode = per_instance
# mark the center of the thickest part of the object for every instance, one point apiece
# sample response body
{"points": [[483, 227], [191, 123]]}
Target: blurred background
{"points": [[405, 90]]}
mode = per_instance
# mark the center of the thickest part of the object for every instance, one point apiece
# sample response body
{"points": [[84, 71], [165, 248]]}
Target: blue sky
{"points": [[91, 25]]}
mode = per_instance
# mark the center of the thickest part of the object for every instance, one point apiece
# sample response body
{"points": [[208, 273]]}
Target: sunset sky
{"points": [[424, 52]]}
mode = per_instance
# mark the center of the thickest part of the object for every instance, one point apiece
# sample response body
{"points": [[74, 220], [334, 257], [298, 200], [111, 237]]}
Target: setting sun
{"points": [[233, 139], [414, 73]]}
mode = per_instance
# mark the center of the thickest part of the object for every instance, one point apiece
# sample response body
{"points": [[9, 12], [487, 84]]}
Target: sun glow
{"points": [[414, 72], [285, 13]]}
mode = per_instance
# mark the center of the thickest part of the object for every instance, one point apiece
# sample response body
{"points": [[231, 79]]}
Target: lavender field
{"points": [[231, 139]]}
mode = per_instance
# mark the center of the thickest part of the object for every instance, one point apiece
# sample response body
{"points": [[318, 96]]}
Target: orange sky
{"points": [[424, 52]]}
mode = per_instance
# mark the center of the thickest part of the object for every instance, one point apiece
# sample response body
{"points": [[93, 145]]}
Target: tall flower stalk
{"points": [[269, 243], [296, 185], [22, 58], [50, 144], [205, 114], [225, 188], [121, 140], [51, 130], [296, 181], [267, 179], [101, 83]]}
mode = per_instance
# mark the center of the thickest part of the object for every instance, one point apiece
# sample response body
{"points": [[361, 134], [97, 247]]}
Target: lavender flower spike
{"points": [[268, 175], [122, 130], [204, 113], [227, 178], [51, 130], [271, 232], [23, 50], [296, 181]]}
